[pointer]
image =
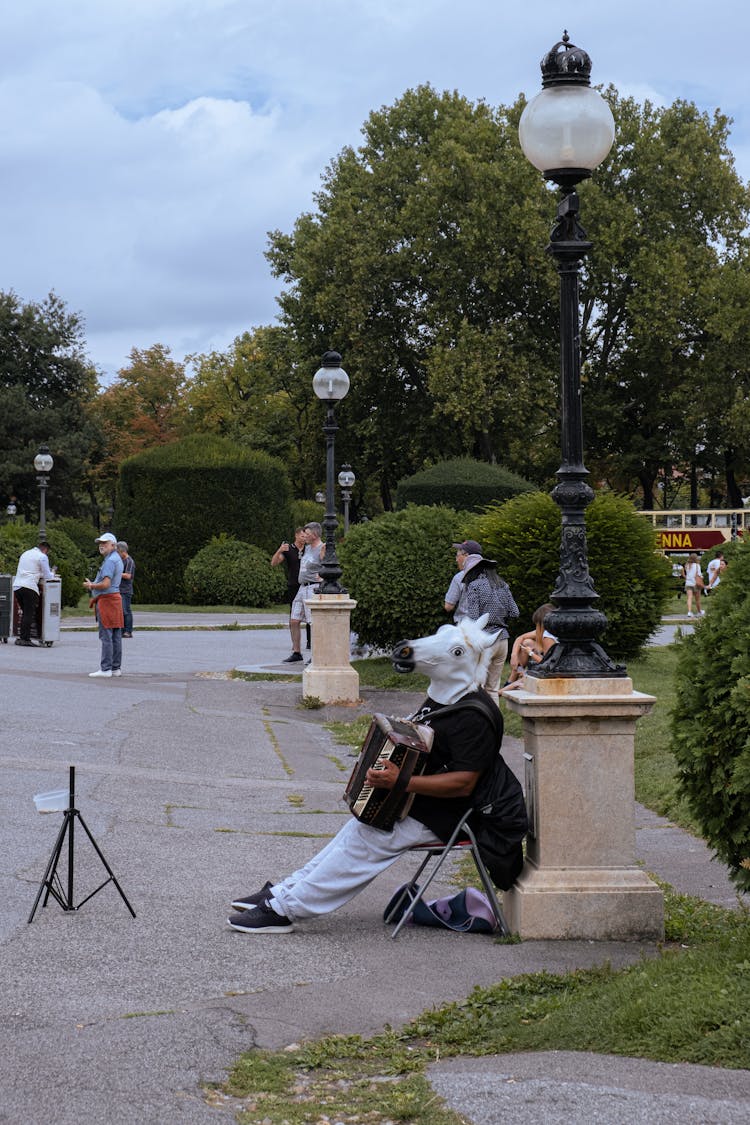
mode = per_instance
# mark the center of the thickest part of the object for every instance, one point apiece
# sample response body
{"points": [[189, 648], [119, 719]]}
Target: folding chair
{"points": [[463, 839]]}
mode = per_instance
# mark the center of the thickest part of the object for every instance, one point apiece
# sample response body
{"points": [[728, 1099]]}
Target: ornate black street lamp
{"points": [[346, 484], [43, 463], [330, 384], [565, 132]]}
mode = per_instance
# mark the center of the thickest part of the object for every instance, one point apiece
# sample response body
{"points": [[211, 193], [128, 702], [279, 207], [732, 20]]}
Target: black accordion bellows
{"points": [[405, 744]]}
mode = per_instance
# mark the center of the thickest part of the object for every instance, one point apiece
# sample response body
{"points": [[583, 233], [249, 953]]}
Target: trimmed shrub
{"points": [[711, 720], [72, 566], [461, 484], [398, 568], [229, 572], [175, 498], [305, 511], [80, 532], [633, 581]]}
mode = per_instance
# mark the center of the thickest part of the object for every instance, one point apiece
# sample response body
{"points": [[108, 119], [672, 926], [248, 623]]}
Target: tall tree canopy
{"points": [[45, 383], [424, 265], [668, 215], [144, 407]]}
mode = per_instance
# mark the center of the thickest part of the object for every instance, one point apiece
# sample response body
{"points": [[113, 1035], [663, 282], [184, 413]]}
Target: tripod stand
{"points": [[51, 883]]}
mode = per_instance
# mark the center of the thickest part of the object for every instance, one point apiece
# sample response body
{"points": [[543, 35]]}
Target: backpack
{"points": [[468, 912]]}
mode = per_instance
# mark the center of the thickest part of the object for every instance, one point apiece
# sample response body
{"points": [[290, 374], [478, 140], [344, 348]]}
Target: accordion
{"points": [[405, 744]]}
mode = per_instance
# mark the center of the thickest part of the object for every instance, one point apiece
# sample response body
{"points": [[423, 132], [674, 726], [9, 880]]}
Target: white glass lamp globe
{"points": [[330, 381], [569, 126], [43, 461]]}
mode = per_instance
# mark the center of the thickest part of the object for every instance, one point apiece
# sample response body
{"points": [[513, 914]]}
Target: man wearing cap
{"points": [[484, 591], [32, 567], [455, 598], [107, 604]]}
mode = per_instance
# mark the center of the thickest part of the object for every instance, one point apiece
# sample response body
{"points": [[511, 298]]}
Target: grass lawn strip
{"points": [[686, 1005]]}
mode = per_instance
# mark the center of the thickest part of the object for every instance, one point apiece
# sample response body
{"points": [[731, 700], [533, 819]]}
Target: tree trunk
{"points": [[734, 498], [646, 479]]}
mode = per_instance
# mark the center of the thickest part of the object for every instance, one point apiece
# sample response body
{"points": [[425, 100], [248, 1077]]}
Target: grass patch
{"points": [[83, 607], [378, 672], [688, 1004], [656, 784]]}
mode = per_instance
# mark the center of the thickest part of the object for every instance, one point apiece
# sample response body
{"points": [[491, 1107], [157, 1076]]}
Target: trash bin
{"points": [[51, 609], [6, 606], [45, 628]]}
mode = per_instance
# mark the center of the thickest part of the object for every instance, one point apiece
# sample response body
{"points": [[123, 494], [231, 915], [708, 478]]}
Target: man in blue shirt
{"points": [[105, 595]]}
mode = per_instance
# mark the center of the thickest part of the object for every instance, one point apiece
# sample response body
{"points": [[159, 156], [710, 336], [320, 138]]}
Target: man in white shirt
{"points": [[714, 569], [32, 566]]}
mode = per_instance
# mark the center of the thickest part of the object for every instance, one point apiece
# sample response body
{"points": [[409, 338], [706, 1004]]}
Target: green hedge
{"points": [[398, 568], [229, 572], [72, 565], [462, 484], [633, 582], [711, 720], [174, 499]]}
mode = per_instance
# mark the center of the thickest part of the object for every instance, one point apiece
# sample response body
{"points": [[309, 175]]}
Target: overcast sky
{"points": [[149, 145]]}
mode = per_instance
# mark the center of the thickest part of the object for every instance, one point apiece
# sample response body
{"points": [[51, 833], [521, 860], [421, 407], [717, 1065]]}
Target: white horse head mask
{"points": [[455, 658]]}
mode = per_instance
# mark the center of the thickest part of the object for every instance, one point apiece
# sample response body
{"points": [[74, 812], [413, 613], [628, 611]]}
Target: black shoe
{"points": [[252, 900], [30, 644], [293, 659], [260, 920]]}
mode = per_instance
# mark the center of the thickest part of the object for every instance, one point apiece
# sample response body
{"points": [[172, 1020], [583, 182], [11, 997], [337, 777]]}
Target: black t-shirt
{"points": [[291, 562], [464, 740]]}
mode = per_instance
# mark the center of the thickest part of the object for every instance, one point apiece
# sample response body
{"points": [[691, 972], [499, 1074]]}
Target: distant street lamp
{"points": [[565, 132], [346, 484], [320, 497], [330, 384], [43, 463]]}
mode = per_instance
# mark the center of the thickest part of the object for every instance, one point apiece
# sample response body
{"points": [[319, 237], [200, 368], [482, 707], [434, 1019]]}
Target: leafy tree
{"points": [[711, 719], [668, 215], [143, 408], [257, 394], [45, 383], [424, 266]]}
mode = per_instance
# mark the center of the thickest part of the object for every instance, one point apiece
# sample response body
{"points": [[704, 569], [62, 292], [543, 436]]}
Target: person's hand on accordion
{"points": [[384, 775]]}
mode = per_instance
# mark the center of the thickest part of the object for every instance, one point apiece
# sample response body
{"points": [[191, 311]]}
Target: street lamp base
{"points": [[329, 676]]}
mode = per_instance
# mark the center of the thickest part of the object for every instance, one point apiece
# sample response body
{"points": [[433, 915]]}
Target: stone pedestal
{"points": [[329, 676], [580, 880]]}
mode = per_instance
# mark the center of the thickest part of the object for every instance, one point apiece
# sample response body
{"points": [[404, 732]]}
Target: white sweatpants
{"points": [[345, 866]]}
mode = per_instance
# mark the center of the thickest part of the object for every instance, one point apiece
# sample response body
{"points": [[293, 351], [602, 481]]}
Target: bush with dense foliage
{"points": [[461, 484], [711, 720], [398, 569], [229, 572], [72, 565], [80, 532], [304, 511], [173, 499], [633, 581]]}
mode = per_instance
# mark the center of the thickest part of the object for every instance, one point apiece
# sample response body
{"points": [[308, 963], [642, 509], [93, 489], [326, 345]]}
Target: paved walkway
{"points": [[198, 787]]}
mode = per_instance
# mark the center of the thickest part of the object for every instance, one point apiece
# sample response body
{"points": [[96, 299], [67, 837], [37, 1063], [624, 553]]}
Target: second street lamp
{"points": [[330, 384], [346, 484], [43, 463], [565, 132]]}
